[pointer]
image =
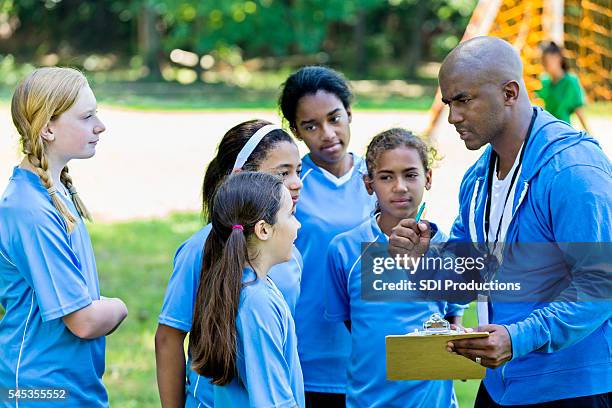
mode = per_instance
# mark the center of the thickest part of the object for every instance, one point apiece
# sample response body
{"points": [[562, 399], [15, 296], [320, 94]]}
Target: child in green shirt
{"points": [[561, 90]]}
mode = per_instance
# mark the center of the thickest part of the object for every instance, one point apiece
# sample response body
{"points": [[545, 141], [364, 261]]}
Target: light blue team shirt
{"points": [[268, 366], [327, 207], [372, 321], [46, 274], [180, 298]]}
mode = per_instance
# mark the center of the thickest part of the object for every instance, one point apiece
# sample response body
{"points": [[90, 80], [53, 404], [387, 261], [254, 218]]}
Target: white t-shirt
{"points": [[499, 191]]}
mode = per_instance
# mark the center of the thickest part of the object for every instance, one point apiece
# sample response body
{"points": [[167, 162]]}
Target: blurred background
{"points": [[171, 76], [234, 52]]}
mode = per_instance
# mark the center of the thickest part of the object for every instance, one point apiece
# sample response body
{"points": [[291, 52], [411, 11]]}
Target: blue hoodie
{"points": [[563, 195]]}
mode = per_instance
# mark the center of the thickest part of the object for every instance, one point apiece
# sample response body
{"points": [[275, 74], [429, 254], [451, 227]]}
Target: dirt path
{"points": [[149, 164]]}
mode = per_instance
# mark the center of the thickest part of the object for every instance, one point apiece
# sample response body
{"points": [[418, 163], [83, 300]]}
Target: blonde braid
{"points": [[38, 160], [78, 203]]}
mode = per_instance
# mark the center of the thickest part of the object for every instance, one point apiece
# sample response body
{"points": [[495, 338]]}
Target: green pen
{"points": [[420, 212]]}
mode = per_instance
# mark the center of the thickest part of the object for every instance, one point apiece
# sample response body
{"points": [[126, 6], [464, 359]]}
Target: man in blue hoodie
{"points": [[538, 181]]}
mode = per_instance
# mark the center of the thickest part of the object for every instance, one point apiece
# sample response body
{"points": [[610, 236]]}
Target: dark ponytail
{"points": [[227, 151], [241, 201]]}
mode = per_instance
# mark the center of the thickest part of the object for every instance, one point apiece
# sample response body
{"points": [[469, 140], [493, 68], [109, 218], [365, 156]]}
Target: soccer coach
{"points": [[538, 181]]}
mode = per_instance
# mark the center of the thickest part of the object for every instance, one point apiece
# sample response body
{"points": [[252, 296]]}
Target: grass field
{"points": [[217, 97], [134, 262], [374, 95]]}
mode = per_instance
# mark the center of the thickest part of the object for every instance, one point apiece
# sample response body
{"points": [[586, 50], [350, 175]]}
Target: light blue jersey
{"points": [[372, 321], [45, 274], [179, 302], [269, 373], [328, 206]]}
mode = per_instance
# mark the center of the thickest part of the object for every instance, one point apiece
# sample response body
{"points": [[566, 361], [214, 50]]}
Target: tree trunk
{"points": [[413, 54], [359, 38], [148, 40]]}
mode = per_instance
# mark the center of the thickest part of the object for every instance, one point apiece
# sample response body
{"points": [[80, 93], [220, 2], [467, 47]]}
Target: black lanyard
{"points": [[492, 165]]}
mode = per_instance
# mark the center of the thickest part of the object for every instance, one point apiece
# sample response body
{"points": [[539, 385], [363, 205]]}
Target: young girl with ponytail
{"points": [[254, 145], [52, 336], [243, 335]]}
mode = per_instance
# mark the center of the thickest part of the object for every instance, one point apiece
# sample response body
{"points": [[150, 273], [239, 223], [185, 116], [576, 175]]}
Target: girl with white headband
{"points": [[255, 145], [53, 335], [315, 101]]}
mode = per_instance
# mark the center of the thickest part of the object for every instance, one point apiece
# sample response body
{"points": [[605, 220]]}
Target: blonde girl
{"points": [[52, 336]]}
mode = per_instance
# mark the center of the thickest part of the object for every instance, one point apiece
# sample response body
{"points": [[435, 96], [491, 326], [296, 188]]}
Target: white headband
{"points": [[252, 143]]}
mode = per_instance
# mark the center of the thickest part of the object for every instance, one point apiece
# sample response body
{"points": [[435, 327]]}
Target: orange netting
{"points": [[587, 37], [583, 25], [588, 43]]}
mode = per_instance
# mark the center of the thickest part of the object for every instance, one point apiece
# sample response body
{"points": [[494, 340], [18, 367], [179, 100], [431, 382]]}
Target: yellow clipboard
{"points": [[424, 357]]}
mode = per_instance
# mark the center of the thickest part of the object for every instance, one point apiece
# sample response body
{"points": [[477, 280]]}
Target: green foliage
{"points": [[66, 27], [277, 27], [12, 72], [354, 36]]}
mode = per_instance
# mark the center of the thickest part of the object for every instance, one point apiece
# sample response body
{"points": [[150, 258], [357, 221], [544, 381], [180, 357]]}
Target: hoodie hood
{"points": [[549, 137]]}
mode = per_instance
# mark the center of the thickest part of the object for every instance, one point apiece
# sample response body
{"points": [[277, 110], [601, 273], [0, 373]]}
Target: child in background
{"points": [[255, 145], [399, 171], [243, 335], [52, 336], [561, 90]]}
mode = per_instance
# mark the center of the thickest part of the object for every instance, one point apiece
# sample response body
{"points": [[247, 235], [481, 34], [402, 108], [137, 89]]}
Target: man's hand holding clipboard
{"points": [[491, 351]]}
